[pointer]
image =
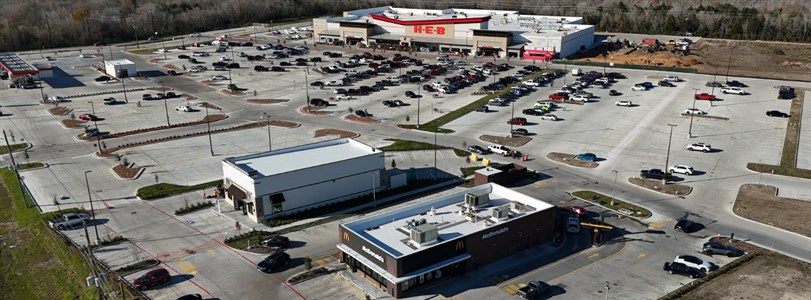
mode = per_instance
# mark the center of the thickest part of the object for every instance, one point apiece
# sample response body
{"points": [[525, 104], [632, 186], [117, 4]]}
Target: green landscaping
{"points": [[407, 145], [603, 200], [193, 207], [14, 148], [143, 50], [779, 170], [167, 189], [37, 264], [32, 165]]}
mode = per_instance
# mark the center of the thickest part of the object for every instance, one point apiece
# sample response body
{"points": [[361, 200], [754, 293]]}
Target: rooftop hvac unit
{"points": [[472, 200], [517, 206], [424, 234], [501, 213]]}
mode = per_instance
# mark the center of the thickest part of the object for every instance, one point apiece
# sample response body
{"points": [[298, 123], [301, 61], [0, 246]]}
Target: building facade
{"points": [[291, 180], [404, 249], [120, 68], [471, 31]]}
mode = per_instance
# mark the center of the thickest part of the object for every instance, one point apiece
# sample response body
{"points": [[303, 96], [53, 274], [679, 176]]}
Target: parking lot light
{"points": [[690, 131], [165, 105], [95, 124], [208, 131], [267, 124], [614, 190], [667, 157], [307, 90], [92, 211]]}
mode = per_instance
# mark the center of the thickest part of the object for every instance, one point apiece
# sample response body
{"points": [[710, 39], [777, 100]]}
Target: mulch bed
{"points": [[656, 185], [568, 159], [59, 111], [266, 101], [760, 203], [340, 133], [159, 89], [190, 97], [505, 140], [211, 106], [313, 111], [354, 118], [170, 67], [232, 93], [287, 124], [127, 172], [214, 118], [73, 123]]}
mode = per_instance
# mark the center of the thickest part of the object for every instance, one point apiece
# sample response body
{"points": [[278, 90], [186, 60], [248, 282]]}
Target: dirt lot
{"points": [[748, 58], [760, 203]]}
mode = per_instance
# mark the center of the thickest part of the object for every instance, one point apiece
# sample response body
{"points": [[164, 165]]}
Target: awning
{"points": [[277, 198], [236, 193]]}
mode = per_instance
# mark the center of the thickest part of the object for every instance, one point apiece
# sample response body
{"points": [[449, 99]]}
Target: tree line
{"points": [[30, 25]]}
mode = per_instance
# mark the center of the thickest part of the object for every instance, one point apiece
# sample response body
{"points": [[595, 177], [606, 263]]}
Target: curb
{"points": [[663, 193], [44, 165], [619, 213]]}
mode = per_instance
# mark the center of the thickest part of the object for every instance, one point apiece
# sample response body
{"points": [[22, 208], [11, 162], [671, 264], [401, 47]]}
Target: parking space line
{"points": [[641, 255], [594, 255], [592, 263]]}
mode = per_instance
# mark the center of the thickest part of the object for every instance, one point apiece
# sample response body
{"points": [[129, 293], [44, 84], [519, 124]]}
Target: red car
{"points": [[151, 278], [517, 121], [88, 117], [558, 96], [705, 96], [579, 211]]}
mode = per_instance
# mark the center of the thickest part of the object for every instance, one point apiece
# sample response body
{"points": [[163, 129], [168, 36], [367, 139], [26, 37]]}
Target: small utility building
{"points": [[120, 68], [280, 182]]}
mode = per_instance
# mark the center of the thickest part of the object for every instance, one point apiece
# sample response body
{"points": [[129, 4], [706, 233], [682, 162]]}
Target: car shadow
{"points": [[554, 290], [296, 244], [5, 115], [175, 280], [698, 173], [714, 150]]}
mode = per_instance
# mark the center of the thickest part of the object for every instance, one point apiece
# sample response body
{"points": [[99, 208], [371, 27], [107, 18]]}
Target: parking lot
{"points": [[626, 138]]}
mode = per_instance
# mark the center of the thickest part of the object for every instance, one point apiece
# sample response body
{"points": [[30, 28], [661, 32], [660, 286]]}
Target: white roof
{"points": [[389, 230], [119, 62], [301, 157]]}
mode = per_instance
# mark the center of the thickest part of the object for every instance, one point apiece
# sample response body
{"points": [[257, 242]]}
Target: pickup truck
{"points": [[705, 96], [533, 289], [655, 174], [68, 220]]}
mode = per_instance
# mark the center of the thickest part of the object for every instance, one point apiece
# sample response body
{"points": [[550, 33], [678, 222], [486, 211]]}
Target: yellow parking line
{"points": [[641, 255], [552, 265], [594, 255], [588, 265]]}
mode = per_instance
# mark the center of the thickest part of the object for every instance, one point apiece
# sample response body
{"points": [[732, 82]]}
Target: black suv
{"points": [[278, 241], [273, 262], [680, 268]]}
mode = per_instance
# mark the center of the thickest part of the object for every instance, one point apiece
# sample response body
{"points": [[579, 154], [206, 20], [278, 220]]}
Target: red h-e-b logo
{"points": [[439, 30]]}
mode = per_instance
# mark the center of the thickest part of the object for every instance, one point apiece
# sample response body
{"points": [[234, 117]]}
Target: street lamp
{"points": [[230, 83], [124, 89], [693, 112], [163, 45], [95, 124], [152, 19], [92, 211], [607, 289], [669, 141], [419, 96], [307, 89], [165, 105], [614, 190], [267, 123], [208, 131], [135, 31]]}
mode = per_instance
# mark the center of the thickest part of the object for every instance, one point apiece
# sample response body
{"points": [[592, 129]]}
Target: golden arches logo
{"points": [[346, 236], [460, 245]]}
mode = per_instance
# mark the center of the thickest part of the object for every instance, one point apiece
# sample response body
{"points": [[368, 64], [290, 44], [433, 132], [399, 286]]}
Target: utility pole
{"points": [[92, 262], [614, 190], [208, 131], [267, 124], [124, 88], [693, 112], [165, 105], [669, 141], [419, 96], [92, 211], [14, 167], [512, 116], [135, 31], [729, 61], [435, 152]]}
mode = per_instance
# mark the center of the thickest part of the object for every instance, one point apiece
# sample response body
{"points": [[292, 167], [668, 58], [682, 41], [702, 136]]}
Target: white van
{"points": [[577, 72]]}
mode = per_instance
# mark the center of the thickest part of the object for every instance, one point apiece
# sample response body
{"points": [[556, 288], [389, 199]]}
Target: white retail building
{"points": [[120, 68]]}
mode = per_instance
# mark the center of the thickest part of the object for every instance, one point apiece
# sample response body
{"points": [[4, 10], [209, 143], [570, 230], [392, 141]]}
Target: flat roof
{"points": [[391, 230], [301, 157], [118, 62], [16, 65]]}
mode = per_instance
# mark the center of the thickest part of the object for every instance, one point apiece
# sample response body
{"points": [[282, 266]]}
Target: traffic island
{"points": [[569, 159], [128, 171], [506, 140], [706, 116], [70, 123], [657, 185], [266, 101], [365, 120], [312, 111], [339, 133], [760, 203], [167, 189], [206, 119], [59, 111], [618, 206]]}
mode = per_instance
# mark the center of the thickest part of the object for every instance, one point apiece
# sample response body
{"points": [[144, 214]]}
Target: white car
{"points": [[695, 262], [395, 79], [699, 147], [343, 97], [671, 78], [85, 55], [531, 83], [681, 169], [193, 70], [733, 90], [518, 76], [638, 88], [437, 84], [499, 149], [225, 58], [57, 99], [694, 111], [626, 103], [183, 108], [335, 83], [549, 117], [161, 50], [219, 77], [196, 34], [580, 98]]}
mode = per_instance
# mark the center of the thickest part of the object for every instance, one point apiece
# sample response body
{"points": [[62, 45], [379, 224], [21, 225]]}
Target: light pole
{"points": [[614, 190], [165, 105], [267, 123], [307, 89], [230, 83], [92, 211], [95, 124], [163, 45], [435, 152], [152, 19], [607, 289], [512, 116], [419, 96], [729, 61], [124, 89], [693, 112], [135, 31], [669, 141], [208, 131]]}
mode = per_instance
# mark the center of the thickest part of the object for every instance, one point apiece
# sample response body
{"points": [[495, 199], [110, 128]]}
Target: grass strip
{"points": [[40, 265], [408, 145], [14, 148], [780, 170], [32, 165], [167, 189], [788, 158], [603, 200], [193, 207]]}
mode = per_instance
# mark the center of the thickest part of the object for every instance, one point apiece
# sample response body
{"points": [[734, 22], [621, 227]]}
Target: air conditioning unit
{"points": [[501, 213], [472, 200], [424, 234], [517, 206]]}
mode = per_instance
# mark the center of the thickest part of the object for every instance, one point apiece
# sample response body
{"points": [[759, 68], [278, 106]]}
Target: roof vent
{"points": [[423, 235], [472, 200], [517, 206], [501, 213]]}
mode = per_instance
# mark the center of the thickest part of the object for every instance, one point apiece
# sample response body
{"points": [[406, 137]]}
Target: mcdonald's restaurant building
{"points": [[405, 249]]}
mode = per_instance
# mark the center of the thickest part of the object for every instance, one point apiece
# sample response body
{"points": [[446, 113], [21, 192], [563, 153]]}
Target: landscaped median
{"points": [[167, 189], [407, 145], [14, 148], [618, 206]]}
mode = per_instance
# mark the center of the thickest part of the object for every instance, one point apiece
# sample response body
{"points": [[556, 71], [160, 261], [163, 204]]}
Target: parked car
{"points": [[684, 225], [614, 93], [735, 83], [477, 149], [579, 98], [88, 117], [183, 108], [733, 90], [626, 103], [110, 101], [318, 102], [776, 113], [317, 83], [68, 220], [695, 262], [638, 88], [219, 77], [666, 84], [682, 269], [102, 78], [533, 112], [362, 114], [549, 117], [699, 147], [655, 174], [483, 108], [533, 290], [278, 241], [499, 149], [681, 169], [694, 111], [517, 121], [711, 248], [151, 278], [57, 99], [273, 262], [714, 84], [586, 156], [672, 78], [519, 132]]}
